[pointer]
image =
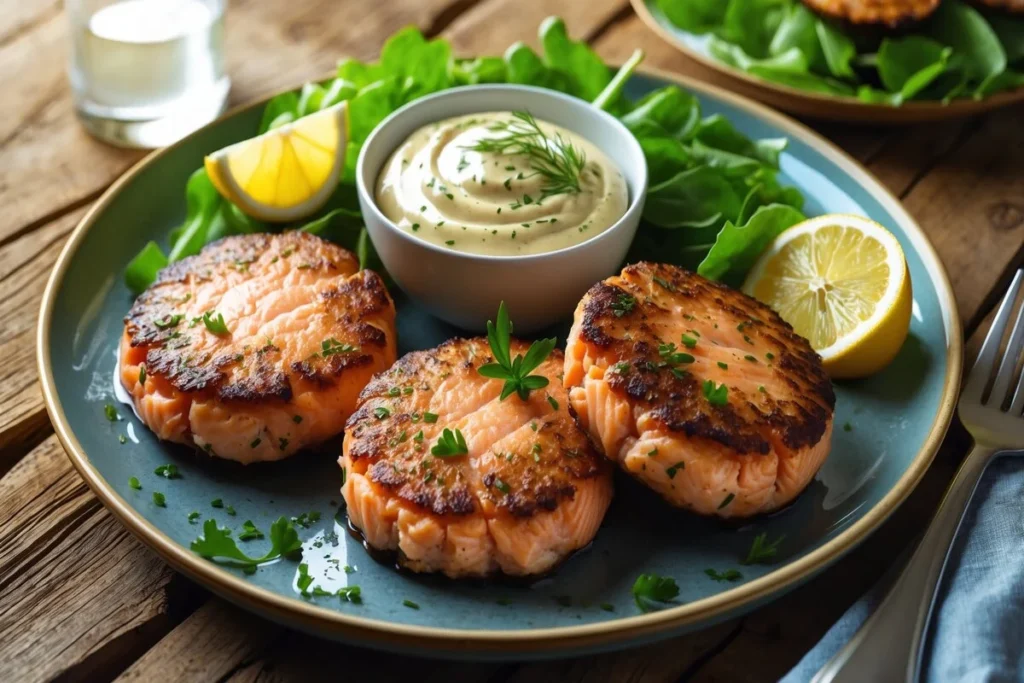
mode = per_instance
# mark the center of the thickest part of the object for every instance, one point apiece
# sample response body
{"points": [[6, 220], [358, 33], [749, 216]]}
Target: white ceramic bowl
{"points": [[465, 289]]}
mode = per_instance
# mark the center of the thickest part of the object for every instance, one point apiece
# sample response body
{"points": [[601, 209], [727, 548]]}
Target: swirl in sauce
{"points": [[489, 203]]}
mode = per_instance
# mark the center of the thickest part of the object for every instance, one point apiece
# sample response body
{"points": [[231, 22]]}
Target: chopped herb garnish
{"points": [[449, 242], [769, 355], [688, 341], [669, 353], [122, 439], [419, 436], [652, 453], [332, 346], [724, 366], [159, 499], [302, 583], [410, 604], [502, 486], [651, 588], [429, 417], [760, 387], [450, 444], [134, 483], [217, 503], [727, 575], [193, 516], [306, 519], [351, 594], [406, 391], [297, 419], [847, 427], [249, 531], [716, 396], [728, 499], [665, 284], [515, 372], [761, 551], [167, 471], [216, 544], [380, 412], [623, 304], [168, 321], [750, 358], [607, 607], [215, 322], [552, 402], [111, 413], [230, 510], [671, 471], [142, 373], [622, 367]]}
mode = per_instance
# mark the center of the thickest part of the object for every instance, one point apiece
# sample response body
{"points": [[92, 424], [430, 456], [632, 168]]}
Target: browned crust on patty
{"points": [[165, 322], [440, 485], [675, 399], [890, 13]]}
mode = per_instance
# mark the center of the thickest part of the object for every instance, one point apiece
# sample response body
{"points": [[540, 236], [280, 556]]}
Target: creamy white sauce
{"points": [[489, 203]]}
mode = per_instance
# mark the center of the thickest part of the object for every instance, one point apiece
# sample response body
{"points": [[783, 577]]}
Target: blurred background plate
{"points": [[802, 102], [897, 419]]}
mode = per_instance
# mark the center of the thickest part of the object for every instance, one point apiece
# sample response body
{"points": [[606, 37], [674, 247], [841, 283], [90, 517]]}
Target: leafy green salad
{"points": [[714, 200], [957, 52]]}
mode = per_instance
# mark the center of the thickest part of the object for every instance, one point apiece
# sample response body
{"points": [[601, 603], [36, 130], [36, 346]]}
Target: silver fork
{"points": [[888, 646]]}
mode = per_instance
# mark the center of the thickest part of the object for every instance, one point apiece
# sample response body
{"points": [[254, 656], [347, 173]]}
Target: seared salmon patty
{"points": [[257, 346], [699, 391], [529, 490], [882, 12]]}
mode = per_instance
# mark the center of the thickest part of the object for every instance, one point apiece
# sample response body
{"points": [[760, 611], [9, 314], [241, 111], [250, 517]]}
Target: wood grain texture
{"points": [[80, 597]]}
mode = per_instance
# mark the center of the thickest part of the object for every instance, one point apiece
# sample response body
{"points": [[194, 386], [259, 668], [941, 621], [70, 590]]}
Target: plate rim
{"points": [[390, 635], [825, 106]]}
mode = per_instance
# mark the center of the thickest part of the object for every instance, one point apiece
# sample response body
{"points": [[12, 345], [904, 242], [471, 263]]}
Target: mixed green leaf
{"points": [[960, 51], [709, 184]]}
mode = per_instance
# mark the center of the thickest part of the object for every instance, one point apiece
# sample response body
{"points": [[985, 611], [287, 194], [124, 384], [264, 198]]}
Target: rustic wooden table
{"points": [[80, 598]]}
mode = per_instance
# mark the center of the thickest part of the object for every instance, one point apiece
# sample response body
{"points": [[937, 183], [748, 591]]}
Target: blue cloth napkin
{"points": [[977, 632]]}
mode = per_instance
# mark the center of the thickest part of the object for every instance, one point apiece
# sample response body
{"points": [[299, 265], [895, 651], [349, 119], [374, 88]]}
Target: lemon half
{"points": [[288, 172], [842, 282]]}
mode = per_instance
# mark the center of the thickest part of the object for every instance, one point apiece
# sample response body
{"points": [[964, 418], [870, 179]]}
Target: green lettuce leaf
{"points": [[737, 246]]}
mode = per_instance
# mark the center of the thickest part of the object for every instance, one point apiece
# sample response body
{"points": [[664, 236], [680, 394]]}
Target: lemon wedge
{"points": [[288, 172], [842, 282]]}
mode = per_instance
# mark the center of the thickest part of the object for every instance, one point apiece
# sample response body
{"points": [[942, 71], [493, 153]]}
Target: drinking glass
{"points": [[147, 72]]}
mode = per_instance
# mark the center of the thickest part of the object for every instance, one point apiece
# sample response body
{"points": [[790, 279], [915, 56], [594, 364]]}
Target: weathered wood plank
{"points": [[25, 265], [216, 640], [80, 598]]}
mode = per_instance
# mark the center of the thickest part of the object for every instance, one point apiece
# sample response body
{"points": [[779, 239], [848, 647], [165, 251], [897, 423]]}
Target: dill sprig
{"points": [[554, 158]]}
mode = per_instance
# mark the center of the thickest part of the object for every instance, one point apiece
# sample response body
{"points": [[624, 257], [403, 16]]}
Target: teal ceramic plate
{"points": [[898, 419], [807, 103]]}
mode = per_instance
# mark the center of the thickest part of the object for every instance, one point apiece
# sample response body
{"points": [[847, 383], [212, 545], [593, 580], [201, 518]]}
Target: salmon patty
{"points": [[257, 346], [702, 393], [529, 490], [889, 13]]}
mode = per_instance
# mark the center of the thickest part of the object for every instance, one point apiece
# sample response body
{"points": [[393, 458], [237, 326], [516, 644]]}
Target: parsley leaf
{"points": [[727, 575], [216, 544], [351, 593], [167, 472], [134, 483], [304, 580], [332, 346], [249, 531], [716, 396], [651, 588], [215, 322], [515, 372], [761, 551], [450, 444], [624, 304], [111, 413]]}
